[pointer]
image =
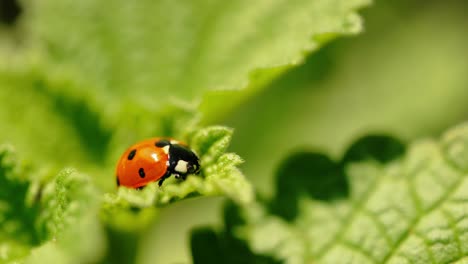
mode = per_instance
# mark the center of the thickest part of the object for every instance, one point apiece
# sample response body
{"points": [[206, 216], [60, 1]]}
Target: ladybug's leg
{"points": [[181, 176], [167, 175], [160, 182]]}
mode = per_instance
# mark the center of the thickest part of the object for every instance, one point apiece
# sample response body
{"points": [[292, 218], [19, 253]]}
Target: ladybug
{"points": [[155, 159]]}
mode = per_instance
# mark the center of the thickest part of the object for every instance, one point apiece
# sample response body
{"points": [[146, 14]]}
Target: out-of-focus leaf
{"points": [[325, 181], [209, 246], [69, 217], [133, 70], [405, 75], [45, 222], [17, 218], [152, 52], [49, 128]]}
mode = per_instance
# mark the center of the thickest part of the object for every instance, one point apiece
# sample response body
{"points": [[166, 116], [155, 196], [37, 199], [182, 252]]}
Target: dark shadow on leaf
{"points": [[210, 247], [205, 246], [10, 10], [124, 247], [320, 178], [85, 120], [14, 212], [382, 148], [307, 173], [232, 217]]}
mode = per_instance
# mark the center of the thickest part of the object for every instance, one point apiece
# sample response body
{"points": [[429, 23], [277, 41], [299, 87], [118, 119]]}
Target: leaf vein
{"points": [[355, 210], [414, 223], [380, 226]]}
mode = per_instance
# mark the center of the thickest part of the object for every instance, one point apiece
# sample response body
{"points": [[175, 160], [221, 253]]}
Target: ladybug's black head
{"points": [[193, 167], [183, 160]]}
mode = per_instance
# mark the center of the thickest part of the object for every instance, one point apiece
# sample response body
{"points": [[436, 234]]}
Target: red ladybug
{"points": [[155, 159]]}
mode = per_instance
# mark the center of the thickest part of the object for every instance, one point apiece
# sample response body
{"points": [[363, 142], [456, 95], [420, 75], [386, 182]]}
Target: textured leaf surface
{"points": [[219, 176], [17, 219], [155, 51], [69, 213], [131, 70], [44, 222], [412, 209]]}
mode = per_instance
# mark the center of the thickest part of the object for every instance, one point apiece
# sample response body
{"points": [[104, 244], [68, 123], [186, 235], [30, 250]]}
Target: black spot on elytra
{"points": [[131, 154], [162, 143], [141, 171], [118, 182]]}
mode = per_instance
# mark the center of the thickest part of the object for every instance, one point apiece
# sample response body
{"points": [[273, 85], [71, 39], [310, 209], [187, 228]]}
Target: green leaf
{"points": [[408, 209], [55, 127], [17, 232], [389, 79], [136, 70], [208, 246], [45, 220], [161, 51], [131, 209], [69, 213]]}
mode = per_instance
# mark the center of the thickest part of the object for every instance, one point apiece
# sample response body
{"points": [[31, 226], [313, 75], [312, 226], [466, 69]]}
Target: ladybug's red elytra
{"points": [[155, 159]]}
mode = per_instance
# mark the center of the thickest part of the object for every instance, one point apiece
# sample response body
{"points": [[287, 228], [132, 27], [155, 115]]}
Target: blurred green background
{"points": [[405, 75]]}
